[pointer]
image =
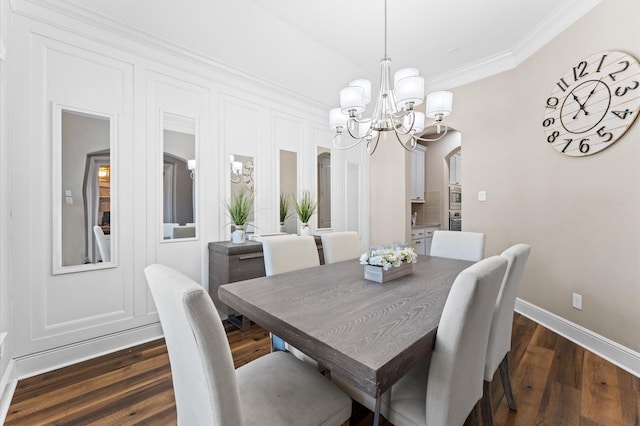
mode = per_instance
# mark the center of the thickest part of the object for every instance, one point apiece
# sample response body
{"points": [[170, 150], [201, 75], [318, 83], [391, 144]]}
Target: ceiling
{"points": [[452, 42], [440, 38]]}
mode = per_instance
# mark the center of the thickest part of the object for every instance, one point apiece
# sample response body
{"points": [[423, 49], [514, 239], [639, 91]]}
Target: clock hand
{"points": [[581, 105], [586, 100]]}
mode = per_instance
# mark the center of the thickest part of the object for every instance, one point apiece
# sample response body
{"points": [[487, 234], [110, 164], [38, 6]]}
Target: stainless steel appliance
{"points": [[455, 221], [455, 197]]}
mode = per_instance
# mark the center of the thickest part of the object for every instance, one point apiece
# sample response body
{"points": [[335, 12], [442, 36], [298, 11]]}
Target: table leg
{"points": [[376, 413], [241, 322]]}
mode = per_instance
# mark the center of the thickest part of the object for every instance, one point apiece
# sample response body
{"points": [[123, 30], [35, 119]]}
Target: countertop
{"points": [[425, 225]]}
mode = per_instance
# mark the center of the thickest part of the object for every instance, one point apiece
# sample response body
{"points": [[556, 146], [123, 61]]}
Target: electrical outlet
{"points": [[577, 301]]}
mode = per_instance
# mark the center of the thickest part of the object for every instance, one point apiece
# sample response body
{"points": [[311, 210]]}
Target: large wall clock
{"points": [[593, 104]]}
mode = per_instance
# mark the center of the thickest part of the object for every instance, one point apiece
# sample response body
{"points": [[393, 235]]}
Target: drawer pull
{"points": [[250, 256]]}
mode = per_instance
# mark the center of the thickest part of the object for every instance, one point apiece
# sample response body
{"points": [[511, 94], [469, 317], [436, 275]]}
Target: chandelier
{"points": [[394, 111]]}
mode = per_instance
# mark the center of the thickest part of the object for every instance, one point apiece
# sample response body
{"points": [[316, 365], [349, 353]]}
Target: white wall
{"points": [[66, 317], [5, 218], [580, 215], [389, 202]]}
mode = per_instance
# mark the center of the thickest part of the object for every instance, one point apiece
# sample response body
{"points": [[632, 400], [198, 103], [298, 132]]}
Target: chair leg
{"points": [[506, 383], [485, 404]]}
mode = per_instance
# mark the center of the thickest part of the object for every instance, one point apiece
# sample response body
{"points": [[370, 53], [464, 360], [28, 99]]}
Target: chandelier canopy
{"points": [[394, 110]]}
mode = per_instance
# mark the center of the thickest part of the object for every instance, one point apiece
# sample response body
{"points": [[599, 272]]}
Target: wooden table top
{"points": [[370, 334]]}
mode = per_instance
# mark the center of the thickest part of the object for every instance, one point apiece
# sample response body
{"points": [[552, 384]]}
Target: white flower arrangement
{"points": [[386, 257]]}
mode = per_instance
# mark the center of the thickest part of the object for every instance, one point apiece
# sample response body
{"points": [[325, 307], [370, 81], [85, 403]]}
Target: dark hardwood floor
{"points": [[555, 383]]}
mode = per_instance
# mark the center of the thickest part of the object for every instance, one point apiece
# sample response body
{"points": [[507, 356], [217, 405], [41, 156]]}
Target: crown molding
{"points": [[563, 16], [45, 11]]}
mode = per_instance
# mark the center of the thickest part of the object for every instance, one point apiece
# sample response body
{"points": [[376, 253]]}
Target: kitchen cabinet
{"points": [[417, 240], [421, 237], [418, 157], [455, 169], [428, 237]]}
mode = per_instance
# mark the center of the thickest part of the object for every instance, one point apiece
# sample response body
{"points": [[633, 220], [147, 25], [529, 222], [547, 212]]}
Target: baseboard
{"points": [[42, 362], [7, 387], [623, 357]]}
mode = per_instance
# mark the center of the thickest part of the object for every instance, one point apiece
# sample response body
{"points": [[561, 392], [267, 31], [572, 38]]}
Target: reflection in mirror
{"points": [[242, 179], [85, 188], [324, 188], [178, 177], [289, 187]]}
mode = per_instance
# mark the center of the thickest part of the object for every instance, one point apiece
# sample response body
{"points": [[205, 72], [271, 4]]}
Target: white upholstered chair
{"points": [[103, 245], [286, 254], [445, 389], [500, 334], [274, 389], [458, 245], [339, 246], [289, 253]]}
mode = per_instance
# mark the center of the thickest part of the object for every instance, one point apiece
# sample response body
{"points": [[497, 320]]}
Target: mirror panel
{"points": [[324, 187], [289, 189], [178, 177], [83, 190], [242, 179]]}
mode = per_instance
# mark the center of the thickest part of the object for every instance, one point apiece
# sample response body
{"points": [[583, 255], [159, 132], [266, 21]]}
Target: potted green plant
{"points": [[239, 211], [284, 210], [305, 208]]}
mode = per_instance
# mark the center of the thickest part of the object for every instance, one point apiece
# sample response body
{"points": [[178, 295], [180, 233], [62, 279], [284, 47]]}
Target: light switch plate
{"points": [[482, 195]]}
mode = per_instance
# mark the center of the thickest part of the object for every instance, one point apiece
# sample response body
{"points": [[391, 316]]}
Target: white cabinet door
{"points": [[418, 173], [428, 237], [420, 246]]}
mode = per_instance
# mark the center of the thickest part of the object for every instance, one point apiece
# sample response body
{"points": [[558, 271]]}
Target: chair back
{"points": [[285, 254], [204, 379], [340, 246], [457, 362], [103, 246], [458, 245], [183, 232], [500, 334]]}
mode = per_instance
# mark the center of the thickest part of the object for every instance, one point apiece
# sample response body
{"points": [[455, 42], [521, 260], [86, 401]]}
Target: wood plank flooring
{"points": [[555, 383]]}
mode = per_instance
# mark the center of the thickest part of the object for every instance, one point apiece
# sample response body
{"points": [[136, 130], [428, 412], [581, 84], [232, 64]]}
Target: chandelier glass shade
{"points": [[394, 110]]}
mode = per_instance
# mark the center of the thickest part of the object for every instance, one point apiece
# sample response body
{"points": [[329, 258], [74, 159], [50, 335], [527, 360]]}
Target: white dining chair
{"points": [[462, 245], [289, 253], [286, 254], [340, 246], [501, 325], [445, 388], [275, 389], [103, 246]]}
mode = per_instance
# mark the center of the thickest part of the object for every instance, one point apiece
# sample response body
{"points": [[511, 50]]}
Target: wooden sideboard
{"points": [[230, 262]]}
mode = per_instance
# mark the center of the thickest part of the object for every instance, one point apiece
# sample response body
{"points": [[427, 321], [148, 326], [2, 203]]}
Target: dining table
{"points": [[368, 333]]}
